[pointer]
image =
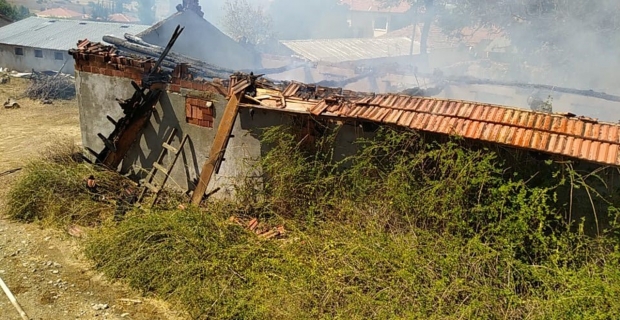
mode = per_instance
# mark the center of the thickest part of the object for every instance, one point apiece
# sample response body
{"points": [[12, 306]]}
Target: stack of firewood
{"points": [[46, 87]]}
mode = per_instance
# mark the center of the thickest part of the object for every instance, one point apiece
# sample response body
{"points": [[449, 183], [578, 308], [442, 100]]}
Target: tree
{"points": [[100, 10], [303, 19], [567, 36], [13, 12], [246, 23], [146, 11]]}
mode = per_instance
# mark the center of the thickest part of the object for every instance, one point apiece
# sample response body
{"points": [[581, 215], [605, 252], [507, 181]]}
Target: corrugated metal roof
{"points": [[567, 135], [342, 50], [59, 34]]}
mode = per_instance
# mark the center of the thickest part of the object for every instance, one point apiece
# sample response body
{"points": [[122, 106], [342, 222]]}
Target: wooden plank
{"points": [[169, 169], [151, 187], [160, 168], [170, 148], [218, 147], [160, 158]]}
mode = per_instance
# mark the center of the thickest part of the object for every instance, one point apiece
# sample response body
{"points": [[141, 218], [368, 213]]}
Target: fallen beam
{"points": [[135, 43], [218, 147]]}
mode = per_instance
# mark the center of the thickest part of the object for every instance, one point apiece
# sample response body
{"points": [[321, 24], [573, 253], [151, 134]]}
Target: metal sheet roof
{"points": [[59, 34], [342, 50]]}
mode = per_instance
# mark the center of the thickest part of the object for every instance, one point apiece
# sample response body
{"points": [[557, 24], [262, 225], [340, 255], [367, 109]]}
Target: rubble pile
{"points": [[48, 87]]}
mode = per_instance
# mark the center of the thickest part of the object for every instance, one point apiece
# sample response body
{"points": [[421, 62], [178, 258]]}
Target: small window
{"points": [[19, 51], [38, 53], [58, 56], [381, 23]]}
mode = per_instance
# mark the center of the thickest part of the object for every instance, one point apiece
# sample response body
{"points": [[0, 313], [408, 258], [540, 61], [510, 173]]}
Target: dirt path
{"points": [[43, 267]]}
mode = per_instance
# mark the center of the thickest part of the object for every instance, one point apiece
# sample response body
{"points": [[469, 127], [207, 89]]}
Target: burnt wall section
{"points": [[103, 78]]}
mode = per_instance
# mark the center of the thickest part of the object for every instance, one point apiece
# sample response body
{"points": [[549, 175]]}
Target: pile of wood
{"points": [[50, 87], [261, 230]]}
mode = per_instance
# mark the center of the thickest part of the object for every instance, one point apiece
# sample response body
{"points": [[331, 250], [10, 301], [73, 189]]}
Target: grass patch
{"points": [[406, 228], [53, 190]]}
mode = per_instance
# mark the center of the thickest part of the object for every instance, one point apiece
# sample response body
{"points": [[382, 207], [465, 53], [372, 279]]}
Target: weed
{"points": [[406, 228]]}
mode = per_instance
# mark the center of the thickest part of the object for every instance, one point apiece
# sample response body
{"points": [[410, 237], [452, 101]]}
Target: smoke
{"points": [[564, 43]]}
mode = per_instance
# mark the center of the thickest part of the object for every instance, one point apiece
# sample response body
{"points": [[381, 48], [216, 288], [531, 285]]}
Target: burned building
{"points": [[211, 122]]}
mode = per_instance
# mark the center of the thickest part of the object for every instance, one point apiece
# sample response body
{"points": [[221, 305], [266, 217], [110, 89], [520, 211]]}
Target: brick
{"points": [[118, 73], [108, 72], [175, 88], [186, 84], [196, 85], [176, 81]]}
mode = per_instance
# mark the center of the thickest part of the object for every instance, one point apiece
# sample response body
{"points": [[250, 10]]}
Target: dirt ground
{"points": [[44, 268]]}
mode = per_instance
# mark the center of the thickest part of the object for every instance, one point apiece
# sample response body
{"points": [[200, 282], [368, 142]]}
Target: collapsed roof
{"points": [[558, 134]]}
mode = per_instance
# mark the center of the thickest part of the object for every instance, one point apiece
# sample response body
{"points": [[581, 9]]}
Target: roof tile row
{"points": [[581, 138]]}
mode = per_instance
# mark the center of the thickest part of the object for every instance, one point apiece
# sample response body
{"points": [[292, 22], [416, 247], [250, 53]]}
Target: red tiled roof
{"points": [[576, 137], [119, 17], [59, 13], [375, 6]]}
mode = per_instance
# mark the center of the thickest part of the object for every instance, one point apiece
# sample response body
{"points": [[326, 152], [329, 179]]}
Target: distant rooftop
{"points": [[437, 39], [121, 17], [60, 34], [376, 6], [59, 13], [353, 49]]}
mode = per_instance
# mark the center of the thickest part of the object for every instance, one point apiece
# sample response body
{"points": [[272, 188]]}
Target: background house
{"points": [[43, 44], [369, 18], [201, 40], [60, 13]]}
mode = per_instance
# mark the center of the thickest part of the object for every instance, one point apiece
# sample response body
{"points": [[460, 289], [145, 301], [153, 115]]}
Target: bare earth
{"points": [[43, 267]]}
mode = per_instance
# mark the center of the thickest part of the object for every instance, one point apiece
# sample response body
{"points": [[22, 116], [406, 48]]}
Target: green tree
{"points": [[100, 10], [303, 19], [13, 12], [246, 22]]}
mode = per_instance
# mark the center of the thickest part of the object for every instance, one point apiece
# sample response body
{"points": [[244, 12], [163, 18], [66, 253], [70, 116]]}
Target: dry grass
{"points": [[26, 131]]}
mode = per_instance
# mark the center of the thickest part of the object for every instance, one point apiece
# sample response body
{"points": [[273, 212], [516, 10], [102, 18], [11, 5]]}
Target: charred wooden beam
{"points": [[137, 112], [218, 148]]}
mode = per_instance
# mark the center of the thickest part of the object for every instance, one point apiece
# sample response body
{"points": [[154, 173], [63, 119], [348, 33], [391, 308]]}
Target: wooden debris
{"points": [[50, 87], [258, 228], [6, 173], [13, 300]]}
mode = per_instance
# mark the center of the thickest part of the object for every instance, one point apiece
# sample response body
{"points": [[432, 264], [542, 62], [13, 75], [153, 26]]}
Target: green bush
{"points": [[53, 190], [407, 228]]}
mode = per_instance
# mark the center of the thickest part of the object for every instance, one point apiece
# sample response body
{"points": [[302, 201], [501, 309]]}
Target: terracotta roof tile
{"points": [[580, 138]]}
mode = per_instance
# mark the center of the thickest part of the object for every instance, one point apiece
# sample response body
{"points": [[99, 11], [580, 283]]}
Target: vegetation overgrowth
{"points": [[406, 228]]}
